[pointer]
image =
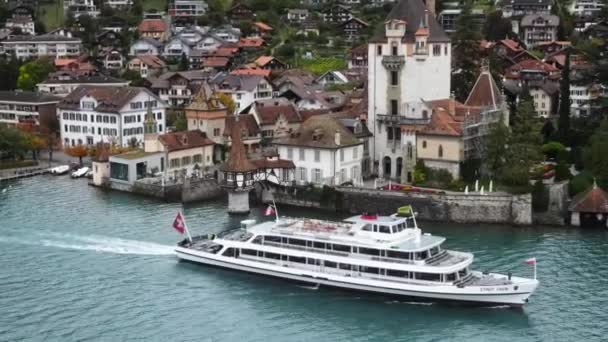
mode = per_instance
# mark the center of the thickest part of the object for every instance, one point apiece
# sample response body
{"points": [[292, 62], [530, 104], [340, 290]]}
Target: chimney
{"points": [[452, 104], [337, 138]]}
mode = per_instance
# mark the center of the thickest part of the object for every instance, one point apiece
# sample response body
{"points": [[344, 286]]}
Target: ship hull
{"points": [[467, 295]]}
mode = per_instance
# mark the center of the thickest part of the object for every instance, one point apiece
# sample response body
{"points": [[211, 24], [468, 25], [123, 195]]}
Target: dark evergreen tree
{"points": [[496, 27], [184, 64], [563, 125], [466, 53]]}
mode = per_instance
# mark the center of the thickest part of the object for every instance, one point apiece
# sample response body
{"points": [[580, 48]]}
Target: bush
{"points": [[562, 172], [552, 149], [457, 185], [580, 183], [419, 172], [540, 197]]}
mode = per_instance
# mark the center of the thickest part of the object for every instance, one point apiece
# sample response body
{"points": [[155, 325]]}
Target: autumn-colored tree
{"points": [[227, 101], [35, 142], [78, 151]]}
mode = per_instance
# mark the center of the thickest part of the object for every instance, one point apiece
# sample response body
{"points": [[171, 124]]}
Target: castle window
{"points": [[445, 49], [394, 107], [423, 143], [425, 114], [440, 151], [379, 50], [394, 78], [436, 50], [394, 49]]}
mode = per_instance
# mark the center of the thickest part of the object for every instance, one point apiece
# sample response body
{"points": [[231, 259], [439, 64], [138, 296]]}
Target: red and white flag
{"points": [[531, 261], [179, 223], [269, 211]]}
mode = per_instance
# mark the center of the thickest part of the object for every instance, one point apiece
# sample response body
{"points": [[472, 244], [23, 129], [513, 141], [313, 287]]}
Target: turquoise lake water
{"points": [[80, 264]]}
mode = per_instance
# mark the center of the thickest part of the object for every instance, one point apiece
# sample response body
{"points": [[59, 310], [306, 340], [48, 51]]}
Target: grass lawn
{"points": [[51, 14], [160, 5]]}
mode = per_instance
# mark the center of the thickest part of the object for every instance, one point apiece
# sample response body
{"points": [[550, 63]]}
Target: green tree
{"points": [[496, 27], [563, 124], [540, 197], [596, 158], [184, 64], [466, 53], [133, 76], [496, 147], [34, 72], [137, 8], [9, 69], [523, 150], [13, 143]]}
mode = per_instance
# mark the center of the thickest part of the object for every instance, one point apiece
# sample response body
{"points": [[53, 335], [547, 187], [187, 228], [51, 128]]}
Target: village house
{"points": [[270, 63], [251, 134], [324, 152], [21, 19], [146, 46], [553, 46], [112, 59], [357, 57], [353, 28], [175, 47], [227, 33], [62, 83], [147, 65], [240, 12], [539, 28], [336, 14], [187, 8], [153, 28], [332, 77], [260, 30], [207, 114], [118, 4], [276, 117], [244, 89], [77, 66], [297, 15], [81, 7], [177, 88], [27, 108], [52, 45], [544, 93], [520, 8], [90, 115]]}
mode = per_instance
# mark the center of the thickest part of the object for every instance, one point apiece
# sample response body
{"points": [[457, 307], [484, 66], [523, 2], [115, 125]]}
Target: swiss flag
{"points": [[179, 224], [269, 211], [531, 261]]}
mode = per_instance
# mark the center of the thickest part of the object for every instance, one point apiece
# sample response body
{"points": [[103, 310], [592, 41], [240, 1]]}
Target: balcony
{"points": [[393, 62], [400, 120]]}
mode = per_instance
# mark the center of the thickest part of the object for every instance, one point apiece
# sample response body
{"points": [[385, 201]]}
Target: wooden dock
{"points": [[25, 173]]}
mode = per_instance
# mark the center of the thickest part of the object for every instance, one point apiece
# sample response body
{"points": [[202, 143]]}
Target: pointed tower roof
{"points": [[206, 100], [485, 92], [237, 161], [103, 156], [594, 200]]}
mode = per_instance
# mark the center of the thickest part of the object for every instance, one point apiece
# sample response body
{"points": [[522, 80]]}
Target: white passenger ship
{"points": [[381, 254]]}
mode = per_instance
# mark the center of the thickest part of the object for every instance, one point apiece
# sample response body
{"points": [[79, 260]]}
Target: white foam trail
{"points": [[96, 243]]}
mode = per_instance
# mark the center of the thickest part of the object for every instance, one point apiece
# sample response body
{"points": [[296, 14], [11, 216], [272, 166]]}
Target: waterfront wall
{"points": [[557, 210], [191, 190], [454, 207]]}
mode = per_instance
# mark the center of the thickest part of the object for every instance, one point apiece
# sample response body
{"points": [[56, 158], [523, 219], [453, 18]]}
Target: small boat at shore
{"points": [[80, 172], [60, 170], [388, 255]]}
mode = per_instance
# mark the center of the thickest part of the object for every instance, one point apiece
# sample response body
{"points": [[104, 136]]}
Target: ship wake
{"points": [[94, 243]]}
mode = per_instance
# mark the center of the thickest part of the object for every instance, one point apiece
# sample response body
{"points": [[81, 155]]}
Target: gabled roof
{"points": [[236, 82], [262, 26], [110, 99], [150, 41], [251, 42], [552, 20], [320, 132], [485, 92], [594, 200], [511, 44], [216, 62], [268, 111], [531, 65], [177, 141], [413, 12], [245, 124], [237, 160], [151, 61], [206, 100], [363, 23], [443, 123], [152, 25]]}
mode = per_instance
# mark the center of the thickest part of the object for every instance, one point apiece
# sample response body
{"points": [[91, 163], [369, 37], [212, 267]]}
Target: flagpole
{"points": [[276, 211], [534, 268], [186, 226]]}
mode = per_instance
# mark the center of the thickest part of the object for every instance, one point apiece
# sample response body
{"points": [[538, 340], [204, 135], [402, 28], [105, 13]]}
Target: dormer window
{"points": [[88, 105]]}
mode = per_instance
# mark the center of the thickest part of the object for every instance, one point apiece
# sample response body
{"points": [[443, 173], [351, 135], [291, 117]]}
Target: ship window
{"points": [[450, 277], [320, 245], [384, 229], [273, 239], [297, 242], [375, 228], [297, 259], [399, 255], [252, 252], [369, 251], [258, 240], [229, 252], [367, 228], [272, 256], [341, 248], [373, 270], [330, 264], [397, 273], [435, 250], [421, 255], [345, 267], [462, 273], [428, 276]]}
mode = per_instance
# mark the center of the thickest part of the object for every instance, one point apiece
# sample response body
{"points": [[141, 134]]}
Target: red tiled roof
{"points": [[151, 61], [237, 160], [594, 200], [226, 51], [262, 26], [485, 92], [251, 71], [422, 31], [442, 123], [273, 164], [270, 110], [216, 62], [263, 60], [511, 44], [177, 141], [532, 64], [251, 42], [152, 25], [245, 123]]}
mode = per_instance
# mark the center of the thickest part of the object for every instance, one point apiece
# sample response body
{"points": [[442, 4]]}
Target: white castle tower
{"points": [[409, 64]]}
